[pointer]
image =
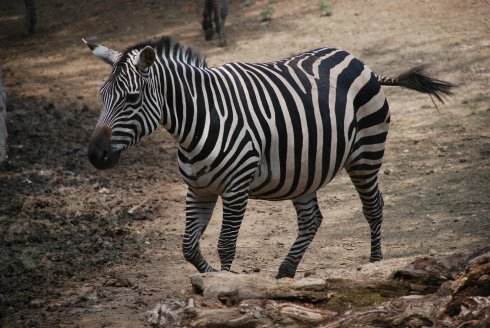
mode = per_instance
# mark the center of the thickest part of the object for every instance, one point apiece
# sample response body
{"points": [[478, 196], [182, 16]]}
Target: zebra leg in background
{"points": [[309, 220], [234, 205], [198, 213], [207, 20], [372, 207], [219, 21]]}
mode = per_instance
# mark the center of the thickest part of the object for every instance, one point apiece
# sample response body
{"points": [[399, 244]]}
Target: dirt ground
{"points": [[73, 255]]}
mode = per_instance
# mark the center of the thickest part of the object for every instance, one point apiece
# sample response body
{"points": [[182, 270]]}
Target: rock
{"points": [[37, 303], [168, 313], [117, 281]]}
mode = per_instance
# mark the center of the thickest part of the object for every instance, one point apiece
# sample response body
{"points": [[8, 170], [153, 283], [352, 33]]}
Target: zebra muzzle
{"points": [[100, 152]]}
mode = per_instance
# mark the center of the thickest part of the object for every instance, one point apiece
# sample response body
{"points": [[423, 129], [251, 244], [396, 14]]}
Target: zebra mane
{"points": [[168, 47]]}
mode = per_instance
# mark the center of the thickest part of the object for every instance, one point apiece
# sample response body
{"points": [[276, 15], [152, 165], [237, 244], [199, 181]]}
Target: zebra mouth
{"points": [[117, 148], [104, 159], [101, 153]]}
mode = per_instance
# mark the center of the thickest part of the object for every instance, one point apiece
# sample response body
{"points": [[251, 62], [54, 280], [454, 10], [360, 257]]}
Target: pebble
{"points": [[37, 303], [309, 273]]}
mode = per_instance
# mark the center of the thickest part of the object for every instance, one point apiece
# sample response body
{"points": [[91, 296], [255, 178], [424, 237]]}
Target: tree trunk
{"points": [[31, 17], [3, 123]]}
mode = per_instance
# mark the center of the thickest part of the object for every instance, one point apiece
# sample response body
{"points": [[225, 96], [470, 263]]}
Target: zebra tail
{"points": [[417, 79]]}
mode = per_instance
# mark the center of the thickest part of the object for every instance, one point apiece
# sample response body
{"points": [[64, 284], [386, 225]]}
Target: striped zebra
{"points": [[215, 11], [273, 131]]}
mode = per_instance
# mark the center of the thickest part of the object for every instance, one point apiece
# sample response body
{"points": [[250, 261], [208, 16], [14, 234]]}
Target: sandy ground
{"points": [[72, 256]]}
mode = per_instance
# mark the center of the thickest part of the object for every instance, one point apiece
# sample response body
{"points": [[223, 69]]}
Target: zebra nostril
{"points": [[100, 152], [105, 155]]}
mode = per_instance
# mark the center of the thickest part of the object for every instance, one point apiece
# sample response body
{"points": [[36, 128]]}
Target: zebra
{"points": [[275, 131], [215, 11]]}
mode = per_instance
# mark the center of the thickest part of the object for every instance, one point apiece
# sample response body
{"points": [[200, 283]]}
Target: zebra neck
{"points": [[188, 105]]}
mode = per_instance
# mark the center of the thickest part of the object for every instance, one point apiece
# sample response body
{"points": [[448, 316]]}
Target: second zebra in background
{"points": [[215, 11]]}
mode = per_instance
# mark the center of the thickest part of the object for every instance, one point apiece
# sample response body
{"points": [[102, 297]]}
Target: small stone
{"points": [[37, 303], [309, 273]]}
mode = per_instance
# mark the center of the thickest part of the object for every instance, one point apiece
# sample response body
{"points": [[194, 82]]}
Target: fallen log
{"points": [[232, 288], [451, 291]]}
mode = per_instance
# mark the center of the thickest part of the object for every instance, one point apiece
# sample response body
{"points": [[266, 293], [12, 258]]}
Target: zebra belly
{"points": [[279, 179]]}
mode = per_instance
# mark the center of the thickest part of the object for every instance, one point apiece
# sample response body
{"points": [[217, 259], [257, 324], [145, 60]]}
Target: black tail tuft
{"points": [[416, 79]]}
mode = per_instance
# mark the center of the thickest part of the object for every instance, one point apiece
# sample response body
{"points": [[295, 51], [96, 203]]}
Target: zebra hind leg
{"points": [[309, 220], [198, 213], [372, 207]]}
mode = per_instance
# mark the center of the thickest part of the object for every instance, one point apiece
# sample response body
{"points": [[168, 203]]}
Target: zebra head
{"points": [[128, 112]]}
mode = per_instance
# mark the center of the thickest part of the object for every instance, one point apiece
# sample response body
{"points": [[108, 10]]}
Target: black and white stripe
{"points": [[275, 131]]}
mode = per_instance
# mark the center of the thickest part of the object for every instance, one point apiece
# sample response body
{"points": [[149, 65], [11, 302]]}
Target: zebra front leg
{"points": [[309, 220], [198, 213], [219, 22], [372, 207], [234, 205]]}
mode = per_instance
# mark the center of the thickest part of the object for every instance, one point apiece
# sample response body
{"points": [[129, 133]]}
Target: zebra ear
{"points": [[146, 58], [107, 55]]}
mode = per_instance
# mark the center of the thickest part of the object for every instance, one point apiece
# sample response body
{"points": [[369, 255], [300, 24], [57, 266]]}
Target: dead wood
{"points": [[451, 291]]}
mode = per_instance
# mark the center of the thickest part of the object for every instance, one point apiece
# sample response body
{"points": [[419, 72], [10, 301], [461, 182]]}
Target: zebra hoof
{"points": [[222, 43], [286, 271]]}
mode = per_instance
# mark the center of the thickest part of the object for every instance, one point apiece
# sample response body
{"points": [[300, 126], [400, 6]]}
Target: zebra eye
{"points": [[132, 97]]}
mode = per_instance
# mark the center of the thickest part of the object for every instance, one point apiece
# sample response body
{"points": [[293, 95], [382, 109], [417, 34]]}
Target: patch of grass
{"points": [[325, 8], [354, 299], [267, 13]]}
